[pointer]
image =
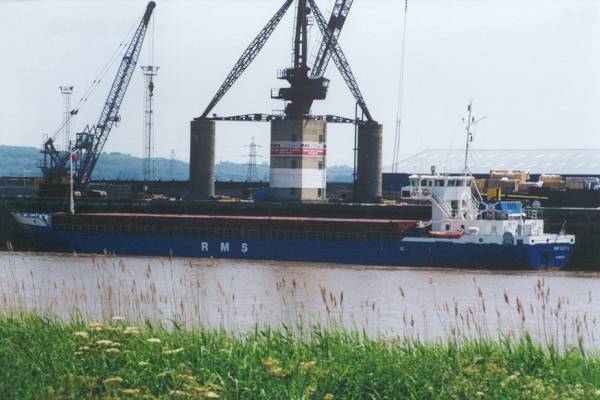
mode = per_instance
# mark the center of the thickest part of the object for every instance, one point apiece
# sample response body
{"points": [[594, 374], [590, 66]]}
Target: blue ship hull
{"points": [[439, 253]]}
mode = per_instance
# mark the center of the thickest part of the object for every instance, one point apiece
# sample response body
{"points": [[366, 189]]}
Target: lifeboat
{"points": [[446, 235]]}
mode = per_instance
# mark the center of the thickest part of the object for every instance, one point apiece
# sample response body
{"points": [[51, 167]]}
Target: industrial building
{"points": [[565, 162], [298, 160]]}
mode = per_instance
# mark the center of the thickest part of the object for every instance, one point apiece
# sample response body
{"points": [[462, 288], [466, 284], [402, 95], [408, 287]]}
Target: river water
{"points": [[559, 308]]}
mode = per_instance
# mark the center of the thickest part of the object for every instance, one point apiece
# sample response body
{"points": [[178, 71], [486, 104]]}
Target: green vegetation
{"points": [[44, 358], [19, 161], [23, 161]]}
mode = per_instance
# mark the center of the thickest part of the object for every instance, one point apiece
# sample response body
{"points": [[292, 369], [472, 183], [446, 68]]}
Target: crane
{"points": [[340, 60], [307, 84], [335, 25], [89, 143], [248, 56]]}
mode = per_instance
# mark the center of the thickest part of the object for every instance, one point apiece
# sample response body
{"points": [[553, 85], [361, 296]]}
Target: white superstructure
{"points": [[457, 215]]}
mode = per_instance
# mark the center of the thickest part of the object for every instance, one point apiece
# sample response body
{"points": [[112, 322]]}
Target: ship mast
{"points": [[71, 196], [471, 122]]}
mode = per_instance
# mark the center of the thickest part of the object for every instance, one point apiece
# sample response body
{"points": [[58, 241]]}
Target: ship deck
{"points": [[276, 226], [241, 218]]}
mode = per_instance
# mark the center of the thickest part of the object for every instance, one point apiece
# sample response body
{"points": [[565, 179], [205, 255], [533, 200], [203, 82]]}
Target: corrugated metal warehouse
{"points": [[566, 162]]}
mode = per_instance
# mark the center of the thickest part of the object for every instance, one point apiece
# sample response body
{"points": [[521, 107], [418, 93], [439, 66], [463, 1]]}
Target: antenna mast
{"points": [[150, 72], [72, 155], [66, 91], [471, 122], [400, 94]]}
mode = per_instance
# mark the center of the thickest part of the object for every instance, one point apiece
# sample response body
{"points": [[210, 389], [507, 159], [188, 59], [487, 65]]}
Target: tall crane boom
{"points": [[340, 60], [110, 112], [91, 141], [304, 86], [248, 56], [336, 23]]}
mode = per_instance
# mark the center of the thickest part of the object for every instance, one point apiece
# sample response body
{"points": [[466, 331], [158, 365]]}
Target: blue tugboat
{"points": [[463, 233]]}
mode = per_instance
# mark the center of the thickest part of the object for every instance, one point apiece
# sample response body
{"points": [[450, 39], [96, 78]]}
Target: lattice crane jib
{"points": [[340, 12], [110, 112], [248, 56], [91, 141], [305, 86], [340, 60]]}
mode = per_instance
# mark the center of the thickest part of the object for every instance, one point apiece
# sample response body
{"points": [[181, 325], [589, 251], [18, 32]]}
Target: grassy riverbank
{"points": [[43, 358]]}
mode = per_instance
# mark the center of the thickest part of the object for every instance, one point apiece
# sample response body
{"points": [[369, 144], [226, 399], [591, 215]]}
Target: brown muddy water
{"points": [[559, 308]]}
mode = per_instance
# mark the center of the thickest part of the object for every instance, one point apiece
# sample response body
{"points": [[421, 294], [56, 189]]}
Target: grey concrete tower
{"points": [[298, 160], [368, 166], [202, 158]]}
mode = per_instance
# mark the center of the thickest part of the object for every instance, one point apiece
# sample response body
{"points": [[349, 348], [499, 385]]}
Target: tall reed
{"points": [[45, 358]]}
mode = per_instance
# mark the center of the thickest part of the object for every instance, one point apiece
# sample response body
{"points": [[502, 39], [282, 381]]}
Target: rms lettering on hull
{"points": [[224, 247]]}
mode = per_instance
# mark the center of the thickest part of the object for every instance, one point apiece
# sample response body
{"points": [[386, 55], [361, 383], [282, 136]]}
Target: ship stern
{"points": [[550, 255]]}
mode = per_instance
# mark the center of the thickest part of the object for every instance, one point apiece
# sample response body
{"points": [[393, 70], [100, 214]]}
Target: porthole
{"points": [[480, 240]]}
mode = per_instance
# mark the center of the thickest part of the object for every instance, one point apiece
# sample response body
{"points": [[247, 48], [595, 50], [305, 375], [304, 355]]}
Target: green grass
{"points": [[44, 358]]}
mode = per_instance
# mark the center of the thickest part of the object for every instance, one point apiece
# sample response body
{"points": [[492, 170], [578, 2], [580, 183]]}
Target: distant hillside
{"points": [[23, 161]]}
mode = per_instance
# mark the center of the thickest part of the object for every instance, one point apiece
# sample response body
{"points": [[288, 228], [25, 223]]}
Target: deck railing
{"points": [[229, 232]]}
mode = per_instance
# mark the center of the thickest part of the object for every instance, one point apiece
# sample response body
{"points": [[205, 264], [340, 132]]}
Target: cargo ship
{"points": [[463, 232]]}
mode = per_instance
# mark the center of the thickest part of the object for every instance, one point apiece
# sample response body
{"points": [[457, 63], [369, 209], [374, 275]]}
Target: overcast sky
{"points": [[531, 66]]}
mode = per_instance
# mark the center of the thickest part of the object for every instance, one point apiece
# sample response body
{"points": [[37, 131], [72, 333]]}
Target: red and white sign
{"points": [[420, 194], [299, 149]]}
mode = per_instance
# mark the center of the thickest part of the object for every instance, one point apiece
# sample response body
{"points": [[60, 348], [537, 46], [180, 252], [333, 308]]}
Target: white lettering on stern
{"points": [[224, 247]]}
